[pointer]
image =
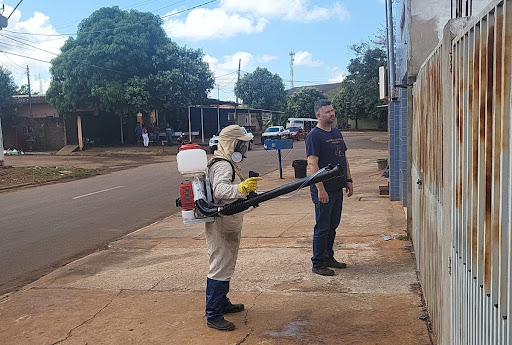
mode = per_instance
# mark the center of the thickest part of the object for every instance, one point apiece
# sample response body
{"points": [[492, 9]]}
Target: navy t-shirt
{"points": [[330, 148]]}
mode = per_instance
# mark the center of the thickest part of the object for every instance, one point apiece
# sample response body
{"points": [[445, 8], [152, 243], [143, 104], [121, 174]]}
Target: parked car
{"points": [[297, 133], [275, 132], [214, 141]]}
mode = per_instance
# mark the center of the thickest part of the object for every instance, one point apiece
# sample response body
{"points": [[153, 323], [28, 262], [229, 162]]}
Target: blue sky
{"points": [[259, 32]]}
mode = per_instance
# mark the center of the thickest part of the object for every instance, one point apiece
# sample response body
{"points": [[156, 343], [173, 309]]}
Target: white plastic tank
{"points": [[191, 159]]}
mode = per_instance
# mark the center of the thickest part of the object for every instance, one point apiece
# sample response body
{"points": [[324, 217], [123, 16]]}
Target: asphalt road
{"points": [[44, 227]]}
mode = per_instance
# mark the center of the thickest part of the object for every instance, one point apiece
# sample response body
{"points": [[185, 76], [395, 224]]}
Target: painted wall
{"points": [[38, 111], [36, 134]]}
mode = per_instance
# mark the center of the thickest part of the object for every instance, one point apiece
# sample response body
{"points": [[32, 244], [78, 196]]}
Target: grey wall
{"points": [[48, 134]]}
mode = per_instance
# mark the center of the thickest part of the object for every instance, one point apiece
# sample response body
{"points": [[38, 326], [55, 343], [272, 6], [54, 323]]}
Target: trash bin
{"points": [[300, 166], [382, 163]]}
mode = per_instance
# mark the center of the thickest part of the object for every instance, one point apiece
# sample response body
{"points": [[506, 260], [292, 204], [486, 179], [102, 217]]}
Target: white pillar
{"points": [[80, 139]]}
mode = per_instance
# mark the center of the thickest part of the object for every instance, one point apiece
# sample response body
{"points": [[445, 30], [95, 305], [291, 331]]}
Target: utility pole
{"points": [[29, 93], [3, 24], [237, 87], [292, 58], [40, 85], [391, 50], [218, 110]]}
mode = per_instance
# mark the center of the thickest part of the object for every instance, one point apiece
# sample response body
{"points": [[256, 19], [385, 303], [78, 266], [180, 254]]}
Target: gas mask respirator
{"points": [[241, 149]]}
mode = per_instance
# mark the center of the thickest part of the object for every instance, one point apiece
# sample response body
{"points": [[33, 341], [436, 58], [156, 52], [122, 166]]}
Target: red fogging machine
{"points": [[196, 200]]}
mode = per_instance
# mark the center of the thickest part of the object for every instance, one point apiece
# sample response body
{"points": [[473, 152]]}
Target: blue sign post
{"points": [[278, 145]]}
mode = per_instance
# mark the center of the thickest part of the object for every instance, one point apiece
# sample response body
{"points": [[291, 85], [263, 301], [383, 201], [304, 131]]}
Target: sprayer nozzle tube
{"points": [[244, 204]]}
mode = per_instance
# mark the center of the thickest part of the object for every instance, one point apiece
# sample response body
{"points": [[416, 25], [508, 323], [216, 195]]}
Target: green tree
{"points": [[301, 103], [359, 96], [23, 90], [7, 90], [262, 89], [122, 62]]}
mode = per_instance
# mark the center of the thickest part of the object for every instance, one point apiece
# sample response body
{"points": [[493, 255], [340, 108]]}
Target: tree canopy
{"points": [[122, 62], [301, 103], [359, 95], [7, 90], [262, 89]]}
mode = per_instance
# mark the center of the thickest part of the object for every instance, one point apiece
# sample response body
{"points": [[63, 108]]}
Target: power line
{"points": [[82, 62], [14, 63], [85, 63], [188, 9], [105, 30], [161, 8], [220, 76], [11, 45], [13, 39], [127, 8], [23, 56], [14, 9]]}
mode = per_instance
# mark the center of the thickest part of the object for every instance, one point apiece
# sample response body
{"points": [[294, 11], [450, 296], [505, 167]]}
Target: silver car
{"points": [[214, 141]]}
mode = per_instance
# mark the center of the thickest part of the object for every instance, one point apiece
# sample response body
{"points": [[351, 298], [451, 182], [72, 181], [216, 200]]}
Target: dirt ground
{"points": [[47, 167]]}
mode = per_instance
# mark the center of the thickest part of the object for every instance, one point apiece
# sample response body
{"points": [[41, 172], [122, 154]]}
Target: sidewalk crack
{"points": [[89, 319], [246, 322]]}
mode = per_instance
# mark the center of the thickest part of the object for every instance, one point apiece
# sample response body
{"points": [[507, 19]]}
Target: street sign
{"points": [[278, 145]]}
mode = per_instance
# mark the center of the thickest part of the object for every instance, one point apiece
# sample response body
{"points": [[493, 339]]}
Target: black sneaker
{"points": [[233, 308], [221, 325], [323, 271], [335, 264]]}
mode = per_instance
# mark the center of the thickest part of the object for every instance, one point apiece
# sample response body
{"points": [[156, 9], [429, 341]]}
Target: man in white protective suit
{"points": [[223, 235]]}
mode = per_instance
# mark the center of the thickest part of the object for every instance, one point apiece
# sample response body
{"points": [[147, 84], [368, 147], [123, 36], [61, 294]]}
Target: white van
{"points": [[301, 122]]}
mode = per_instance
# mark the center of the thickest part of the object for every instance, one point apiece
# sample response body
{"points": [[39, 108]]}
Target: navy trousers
{"points": [[216, 299], [328, 218]]}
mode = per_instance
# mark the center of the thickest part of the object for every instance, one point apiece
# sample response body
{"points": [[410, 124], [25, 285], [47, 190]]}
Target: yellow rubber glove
{"points": [[249, 185]]}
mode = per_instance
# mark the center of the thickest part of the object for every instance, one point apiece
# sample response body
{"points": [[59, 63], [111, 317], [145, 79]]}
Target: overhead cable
{"points": [[14, 9], [105, 30]]}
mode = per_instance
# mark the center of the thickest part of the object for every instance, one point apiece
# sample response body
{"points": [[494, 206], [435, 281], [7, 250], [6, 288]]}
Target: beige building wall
{"points": [[38, 111]]}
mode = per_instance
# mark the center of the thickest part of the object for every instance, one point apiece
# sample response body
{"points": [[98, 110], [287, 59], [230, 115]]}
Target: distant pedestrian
{"points": [[156, 134], [138, 133], [168, 134], [145, 135], [324, 146]]}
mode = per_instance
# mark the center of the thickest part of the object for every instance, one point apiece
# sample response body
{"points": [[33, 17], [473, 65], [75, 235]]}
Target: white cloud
{"points": [[202, 24], [226, 72], [38, 47], [267, 58], [305, 58], [290, 10], [237, 17], [230, 62], [337, 75]]}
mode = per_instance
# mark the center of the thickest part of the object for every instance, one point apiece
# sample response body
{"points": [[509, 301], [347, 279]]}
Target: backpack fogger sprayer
{"points": [[196, 199]]}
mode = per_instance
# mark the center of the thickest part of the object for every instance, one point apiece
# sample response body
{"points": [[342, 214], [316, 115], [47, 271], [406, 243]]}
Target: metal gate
{"points": [[427, 179], [479, 205]]}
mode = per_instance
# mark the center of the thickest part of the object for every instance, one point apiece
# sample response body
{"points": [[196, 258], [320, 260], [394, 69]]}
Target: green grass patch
{"points": [[20, 176]]}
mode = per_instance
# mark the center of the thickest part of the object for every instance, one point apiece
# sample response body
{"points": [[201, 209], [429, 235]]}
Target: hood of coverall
{"points": [[228, 138]]}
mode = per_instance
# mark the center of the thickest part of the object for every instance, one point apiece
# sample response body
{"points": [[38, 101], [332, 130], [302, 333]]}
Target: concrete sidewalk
{"points": [[148, 287]]}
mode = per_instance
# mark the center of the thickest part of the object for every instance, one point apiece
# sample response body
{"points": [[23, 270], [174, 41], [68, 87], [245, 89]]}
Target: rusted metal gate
{"points": [[427, 179], [480, 190]]}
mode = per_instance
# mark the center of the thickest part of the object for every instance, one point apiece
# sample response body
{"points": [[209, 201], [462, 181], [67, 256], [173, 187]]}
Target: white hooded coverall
{"points": [[223, 234]]}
